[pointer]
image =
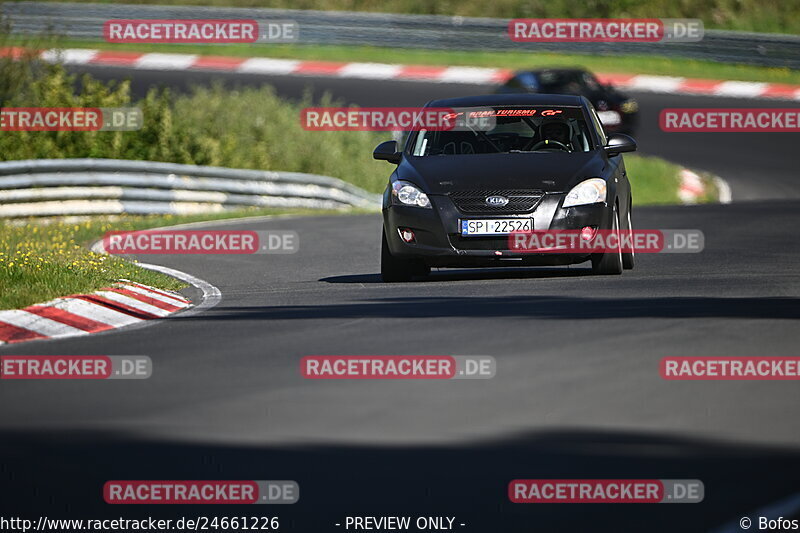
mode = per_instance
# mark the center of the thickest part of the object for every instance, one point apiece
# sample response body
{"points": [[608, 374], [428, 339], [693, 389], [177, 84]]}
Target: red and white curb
{"points": [[123, 304], [692, 188], [386, 71], [679, 85]]}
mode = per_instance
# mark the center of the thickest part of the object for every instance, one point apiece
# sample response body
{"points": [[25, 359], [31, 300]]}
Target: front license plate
{"points": [[495, 226]]}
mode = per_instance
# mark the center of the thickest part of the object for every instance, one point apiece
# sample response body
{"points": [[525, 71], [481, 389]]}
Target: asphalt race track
{"points": [[577, 392]]}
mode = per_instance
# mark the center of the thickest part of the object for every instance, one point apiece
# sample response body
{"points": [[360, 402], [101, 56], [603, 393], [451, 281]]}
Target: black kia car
{"points": [[544, 163], [617, 111]]}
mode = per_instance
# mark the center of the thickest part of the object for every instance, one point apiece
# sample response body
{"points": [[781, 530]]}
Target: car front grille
{"points": [[474, 202]]}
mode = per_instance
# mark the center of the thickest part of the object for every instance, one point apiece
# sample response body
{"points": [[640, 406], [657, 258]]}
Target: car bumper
{"points": [[438, 239]]}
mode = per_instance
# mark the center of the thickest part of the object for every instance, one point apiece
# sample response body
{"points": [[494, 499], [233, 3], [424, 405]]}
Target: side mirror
{"points": [[387, 151], [619, 143]]}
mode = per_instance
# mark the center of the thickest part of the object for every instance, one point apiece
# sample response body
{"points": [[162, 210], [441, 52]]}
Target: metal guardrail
{"points": [[54, 187], [85, 21]]}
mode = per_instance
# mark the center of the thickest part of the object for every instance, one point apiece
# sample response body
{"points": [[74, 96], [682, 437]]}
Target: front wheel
{"points": [[396, 269], [610, 262], [629, 258]]}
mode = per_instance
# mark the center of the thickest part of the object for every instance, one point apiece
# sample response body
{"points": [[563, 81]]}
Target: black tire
{"points": [[629, 258], [398, 270], [609, 264]]}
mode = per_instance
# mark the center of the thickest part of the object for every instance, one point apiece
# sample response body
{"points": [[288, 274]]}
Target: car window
{"points": [[512, 129], [528, 80], [514, 83], [561, 82], [590, 81]]}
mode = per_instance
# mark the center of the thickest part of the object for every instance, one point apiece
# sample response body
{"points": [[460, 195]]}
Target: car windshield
{"points": [[509, 130], [567, 82]]}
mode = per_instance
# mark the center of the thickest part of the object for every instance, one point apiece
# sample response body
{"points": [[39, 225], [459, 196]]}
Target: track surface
{"points": [[577, 394]]}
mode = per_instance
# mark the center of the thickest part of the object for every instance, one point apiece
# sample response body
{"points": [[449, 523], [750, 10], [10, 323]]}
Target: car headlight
{"points": [[629, 106], [405, 193], [591, 191]]}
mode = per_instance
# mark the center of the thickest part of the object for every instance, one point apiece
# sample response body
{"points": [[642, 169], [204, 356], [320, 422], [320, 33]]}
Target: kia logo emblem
{"points": [[496, 201]]}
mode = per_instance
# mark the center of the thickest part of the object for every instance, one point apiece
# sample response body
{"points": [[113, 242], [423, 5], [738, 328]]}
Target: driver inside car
{"points": [[555, 131]]}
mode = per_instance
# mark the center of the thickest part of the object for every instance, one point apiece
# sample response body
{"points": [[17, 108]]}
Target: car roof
{"points": [[509, 99]]}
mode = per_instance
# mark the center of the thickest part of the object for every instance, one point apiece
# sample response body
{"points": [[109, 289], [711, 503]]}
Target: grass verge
{"points": [[45, 259], [654, 181], [624, 64]]}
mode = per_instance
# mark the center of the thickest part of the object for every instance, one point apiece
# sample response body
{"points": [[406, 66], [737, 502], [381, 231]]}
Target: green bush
{"points": [[240, 128]]}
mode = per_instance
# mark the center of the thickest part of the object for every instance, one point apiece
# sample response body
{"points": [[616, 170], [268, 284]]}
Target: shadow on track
{"points": [[472, 275], [61, 475], [545, 307]]}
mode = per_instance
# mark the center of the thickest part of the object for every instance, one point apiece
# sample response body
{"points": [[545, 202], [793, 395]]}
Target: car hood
{"points": [[550, 172]]}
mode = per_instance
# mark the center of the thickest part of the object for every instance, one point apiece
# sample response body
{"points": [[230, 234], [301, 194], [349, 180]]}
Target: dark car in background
{"points": [[545, 164], [617, 111]]}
